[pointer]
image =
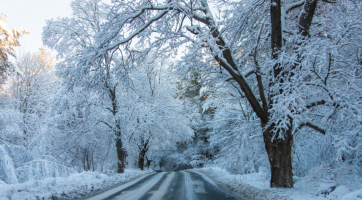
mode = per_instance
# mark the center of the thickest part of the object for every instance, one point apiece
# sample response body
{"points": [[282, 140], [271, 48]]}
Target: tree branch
{"points": [[328, 1], [329, 68], [132, 35], [107, 124], [316, 103], [291, 6], [242, 96], [314, 126], [227, 62], [258, 76]]}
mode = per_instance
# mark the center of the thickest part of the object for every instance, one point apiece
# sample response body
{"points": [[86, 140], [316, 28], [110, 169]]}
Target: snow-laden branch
{"points": [[315, 103], [107, 125], [329, 1], [142, 28], [46, 161], [291, 6], [318, 127]]}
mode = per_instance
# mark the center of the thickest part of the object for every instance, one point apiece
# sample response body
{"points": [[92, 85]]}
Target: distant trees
{"points": [[26, 99], [8, 40], [130, 100], [160, 119]]}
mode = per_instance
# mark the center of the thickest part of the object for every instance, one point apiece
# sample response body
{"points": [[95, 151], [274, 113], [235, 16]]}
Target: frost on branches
{"points": [[130, 89], [8, 40], [294, 62], [270, 87]]}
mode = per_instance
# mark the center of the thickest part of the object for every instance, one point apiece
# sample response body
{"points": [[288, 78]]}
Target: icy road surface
{"points": [[184, 185]]}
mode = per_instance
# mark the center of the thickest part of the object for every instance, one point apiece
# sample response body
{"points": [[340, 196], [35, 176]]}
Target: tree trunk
{"points": [[279, 154], [306, 17], [148, 163], [279, 149], [144, 148], [121, 152], [141, 159], [122, 155]]}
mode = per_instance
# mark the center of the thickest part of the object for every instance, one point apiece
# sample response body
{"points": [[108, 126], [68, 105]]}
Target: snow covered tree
{"points": [[278, 78], [8, 40], [88, 15], [135, 108], [160, 121], [26, 98]]}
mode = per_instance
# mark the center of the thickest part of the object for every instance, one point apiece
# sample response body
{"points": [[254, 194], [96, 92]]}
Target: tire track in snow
{"points": [[212, 187], [206, 178], [157, 195], [188, 186], [117, 189], [140, 191]]}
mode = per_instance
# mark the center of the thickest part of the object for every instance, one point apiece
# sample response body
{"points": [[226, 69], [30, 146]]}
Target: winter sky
{"points": [[32, 15]]}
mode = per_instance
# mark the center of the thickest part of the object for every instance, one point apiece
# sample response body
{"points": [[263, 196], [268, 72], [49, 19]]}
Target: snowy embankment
{"points": [[256, 186], [77, 185]]}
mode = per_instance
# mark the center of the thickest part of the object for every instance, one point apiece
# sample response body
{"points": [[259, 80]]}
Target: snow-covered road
{"points": [[184, 185]]}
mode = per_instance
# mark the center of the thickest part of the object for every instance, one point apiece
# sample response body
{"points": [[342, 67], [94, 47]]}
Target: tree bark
{"points": [[280, 156], [121, 152], [148, 163], [279, 148], [141, 156], [306, 17], [141, 159], [122, 155], [276, 32]]}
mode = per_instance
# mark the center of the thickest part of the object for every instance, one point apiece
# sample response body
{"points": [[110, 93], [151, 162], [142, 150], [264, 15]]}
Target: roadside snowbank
{"points": [[75, 186], [256, 186]]}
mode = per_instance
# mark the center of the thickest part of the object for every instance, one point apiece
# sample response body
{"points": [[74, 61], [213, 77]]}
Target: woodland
{"points": [[249, 86]]}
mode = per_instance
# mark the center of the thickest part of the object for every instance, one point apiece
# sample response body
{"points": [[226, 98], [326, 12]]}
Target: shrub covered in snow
{"points": [[77, 185]]}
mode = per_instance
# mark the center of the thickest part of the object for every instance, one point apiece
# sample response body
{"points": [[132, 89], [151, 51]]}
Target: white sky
{"points": [[31, 15]]}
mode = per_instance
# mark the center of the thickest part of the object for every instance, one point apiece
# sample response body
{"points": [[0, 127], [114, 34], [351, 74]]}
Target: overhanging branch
{"points": [[314, 126], [107, 125], [316, 103], [293, 5]]}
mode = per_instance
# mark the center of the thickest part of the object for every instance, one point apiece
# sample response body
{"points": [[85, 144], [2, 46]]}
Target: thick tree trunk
{"points": [[279, 149], [279, 154], [306, 17], [277, 32], [122, 155]]}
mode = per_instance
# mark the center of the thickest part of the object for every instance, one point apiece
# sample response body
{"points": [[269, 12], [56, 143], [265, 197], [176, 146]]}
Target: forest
{"points": [[248, 86]]}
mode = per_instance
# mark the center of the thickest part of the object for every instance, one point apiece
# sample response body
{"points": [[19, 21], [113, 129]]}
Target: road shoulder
{"points": [[215, 181], [233, 184]]}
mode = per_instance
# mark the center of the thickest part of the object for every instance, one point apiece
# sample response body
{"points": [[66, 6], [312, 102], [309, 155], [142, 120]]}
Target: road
{"points": [[184, 185]]}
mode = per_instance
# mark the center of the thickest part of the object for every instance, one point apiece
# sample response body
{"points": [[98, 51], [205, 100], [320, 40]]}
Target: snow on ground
{"points": [[256, 186], [75, 186]]}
